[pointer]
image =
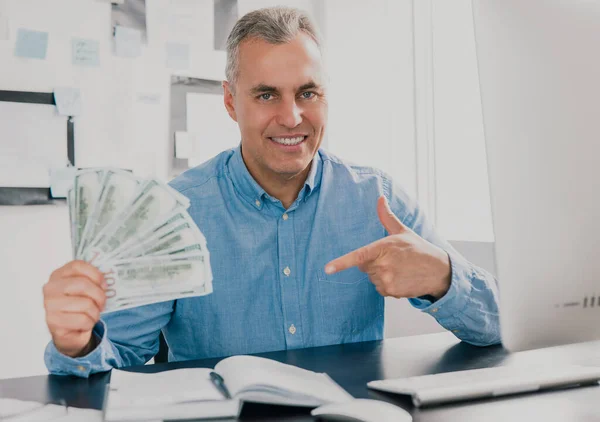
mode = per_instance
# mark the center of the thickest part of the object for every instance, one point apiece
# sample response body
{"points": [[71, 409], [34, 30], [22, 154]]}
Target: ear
{"points": [[229, 100]]}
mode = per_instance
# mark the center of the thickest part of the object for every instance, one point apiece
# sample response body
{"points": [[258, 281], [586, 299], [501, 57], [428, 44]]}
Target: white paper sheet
{"points": [[128, 42], [34, 140], [15, 410], [148, 98], [182, 23], [68, 101], [178, 55], [212, 128], [61, 180], [176, 394], [85, 52]]}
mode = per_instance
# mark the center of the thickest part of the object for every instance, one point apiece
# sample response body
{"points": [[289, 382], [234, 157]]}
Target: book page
{"points": [[266, 377], [131, 389]]}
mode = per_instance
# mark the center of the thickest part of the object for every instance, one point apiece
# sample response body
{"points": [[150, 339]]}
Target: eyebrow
{"points": [[309, 85], [262, 88]]}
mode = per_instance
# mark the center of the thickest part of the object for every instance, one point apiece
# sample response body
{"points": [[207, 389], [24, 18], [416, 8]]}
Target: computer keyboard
{"points": [[457, 378]]}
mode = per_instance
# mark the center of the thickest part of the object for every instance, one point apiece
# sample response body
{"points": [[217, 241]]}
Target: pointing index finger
{"points": [[355, 258]]}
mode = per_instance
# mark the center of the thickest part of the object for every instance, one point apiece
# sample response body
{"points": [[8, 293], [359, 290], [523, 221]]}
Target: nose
{"points": [[289, 114]]}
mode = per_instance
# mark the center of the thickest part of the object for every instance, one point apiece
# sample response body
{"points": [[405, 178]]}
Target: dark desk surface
{"points": [[353, 365]]}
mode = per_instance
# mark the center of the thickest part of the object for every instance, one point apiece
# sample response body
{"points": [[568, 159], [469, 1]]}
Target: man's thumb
{"points": [[387, 217]]}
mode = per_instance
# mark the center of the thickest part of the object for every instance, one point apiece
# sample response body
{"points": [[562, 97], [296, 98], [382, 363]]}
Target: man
{"points": [[304, 247]]}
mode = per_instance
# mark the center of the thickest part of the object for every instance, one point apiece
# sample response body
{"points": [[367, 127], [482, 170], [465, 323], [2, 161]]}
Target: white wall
{"points": [[369, 47], [369, 54], [463, 202]]}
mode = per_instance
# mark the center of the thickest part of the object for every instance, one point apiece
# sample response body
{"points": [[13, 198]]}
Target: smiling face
{"points": [[279, 105]]}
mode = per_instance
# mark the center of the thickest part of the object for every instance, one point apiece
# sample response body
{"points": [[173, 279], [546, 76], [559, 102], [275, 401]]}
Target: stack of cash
{"points": [[139, 234]]}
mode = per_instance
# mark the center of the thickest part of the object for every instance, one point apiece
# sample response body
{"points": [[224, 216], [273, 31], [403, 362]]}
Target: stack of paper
{"points": [[14, 410], [139, 234]]}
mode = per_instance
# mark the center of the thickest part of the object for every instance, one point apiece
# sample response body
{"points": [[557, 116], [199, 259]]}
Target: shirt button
{"points": [[287, 271], [81, 368], [434, 310], [456, 331], [257, 203], [292, 329], [285, 216]]}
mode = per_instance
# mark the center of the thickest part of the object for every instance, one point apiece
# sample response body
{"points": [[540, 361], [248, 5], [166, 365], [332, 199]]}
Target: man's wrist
{"points": [[89, 347], [92, 344], [445, 279]]}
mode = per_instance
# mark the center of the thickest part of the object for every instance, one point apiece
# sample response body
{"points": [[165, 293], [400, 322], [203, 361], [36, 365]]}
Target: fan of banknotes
{"points": [[139, 234]]}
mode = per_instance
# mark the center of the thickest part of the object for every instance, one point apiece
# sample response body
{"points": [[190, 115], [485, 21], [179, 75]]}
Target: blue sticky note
{"points": [[31, 44], [85, 52]]}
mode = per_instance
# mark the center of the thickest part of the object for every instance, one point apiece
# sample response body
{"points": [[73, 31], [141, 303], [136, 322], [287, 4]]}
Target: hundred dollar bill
{"points": [[150, 280], [153, 201], [71, 206], [140, 239], [181, 233], [87, 186], [118, 187]]}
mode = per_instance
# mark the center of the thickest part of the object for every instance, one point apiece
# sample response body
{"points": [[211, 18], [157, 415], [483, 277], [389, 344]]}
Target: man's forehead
{"points": [[295, 63]]}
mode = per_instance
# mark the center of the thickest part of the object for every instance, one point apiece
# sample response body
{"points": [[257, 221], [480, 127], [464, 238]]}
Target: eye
{"points": [[265, 96], [307, 95]]}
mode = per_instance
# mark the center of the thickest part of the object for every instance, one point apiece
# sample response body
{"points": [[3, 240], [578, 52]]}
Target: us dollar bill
{"points": [[150, 280], [178, 235], [153, 201], [87, 185], [118, 187], [71, 206]]}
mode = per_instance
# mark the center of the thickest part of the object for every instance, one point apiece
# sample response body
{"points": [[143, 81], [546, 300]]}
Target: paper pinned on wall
{"points": [[61, 180], [178, 55], [31, 44], [85, 52], [39, 143], [148, 98], [4, 28], [182, 20], [212, 128], [128, 42], [68, 101]]}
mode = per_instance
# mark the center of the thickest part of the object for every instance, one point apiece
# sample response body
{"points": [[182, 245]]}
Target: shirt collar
{"points": [[253, 193]]}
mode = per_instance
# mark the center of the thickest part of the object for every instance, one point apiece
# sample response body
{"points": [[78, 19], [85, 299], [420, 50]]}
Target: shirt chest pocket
{"points": [[351, 308], [349, 276]]}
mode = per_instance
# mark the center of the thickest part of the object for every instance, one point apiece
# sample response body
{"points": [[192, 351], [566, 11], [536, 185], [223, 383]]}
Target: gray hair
{"points": [[275, 25]]}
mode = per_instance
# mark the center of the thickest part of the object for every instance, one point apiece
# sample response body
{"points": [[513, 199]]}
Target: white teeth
{"points": [[289, 141]]}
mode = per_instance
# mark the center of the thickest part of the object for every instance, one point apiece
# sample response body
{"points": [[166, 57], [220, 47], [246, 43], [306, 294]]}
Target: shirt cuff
{"points": [[60, 364], [455, 299]]}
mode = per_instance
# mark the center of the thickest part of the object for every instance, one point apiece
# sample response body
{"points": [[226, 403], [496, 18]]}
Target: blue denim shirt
{"points": [[270, 288]]}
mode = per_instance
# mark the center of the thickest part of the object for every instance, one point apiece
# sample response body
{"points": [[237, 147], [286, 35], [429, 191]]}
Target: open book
{"points": [[191, 393]]}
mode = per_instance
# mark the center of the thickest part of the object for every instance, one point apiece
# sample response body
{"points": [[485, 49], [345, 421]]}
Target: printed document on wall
{"points": [[34, 141]]}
